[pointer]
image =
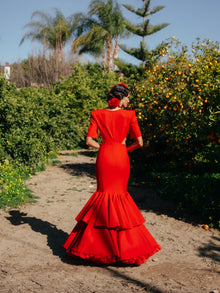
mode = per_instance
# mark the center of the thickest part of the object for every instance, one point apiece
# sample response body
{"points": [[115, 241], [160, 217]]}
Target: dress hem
{"points": [[113, 259]]}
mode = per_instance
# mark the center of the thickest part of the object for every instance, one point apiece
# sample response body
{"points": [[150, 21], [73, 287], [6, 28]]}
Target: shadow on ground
{"points": [[211, 250], [142, 285], [88, 153], [87, 169], [55, 239]]}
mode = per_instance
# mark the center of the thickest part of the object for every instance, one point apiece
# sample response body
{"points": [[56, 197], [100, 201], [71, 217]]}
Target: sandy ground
{"points": [[32, 258]]}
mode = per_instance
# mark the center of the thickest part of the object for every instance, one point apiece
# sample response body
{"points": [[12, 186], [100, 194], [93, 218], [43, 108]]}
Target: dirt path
{"points": [[33, 260]]}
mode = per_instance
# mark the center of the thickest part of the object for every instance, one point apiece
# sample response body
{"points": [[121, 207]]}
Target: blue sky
{"points": [[188, 20]]}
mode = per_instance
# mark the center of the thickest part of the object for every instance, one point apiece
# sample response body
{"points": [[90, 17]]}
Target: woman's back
{"points": [[113, 125]]}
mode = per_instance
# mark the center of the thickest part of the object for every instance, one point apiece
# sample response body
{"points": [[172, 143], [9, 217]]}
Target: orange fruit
{"points": [[206, 227]]}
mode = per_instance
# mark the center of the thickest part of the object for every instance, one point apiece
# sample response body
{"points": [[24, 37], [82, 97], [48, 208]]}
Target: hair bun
{"points": [[119, 91]]}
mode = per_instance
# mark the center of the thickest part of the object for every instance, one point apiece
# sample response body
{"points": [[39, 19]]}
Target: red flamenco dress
{"points": [[110, 226]]}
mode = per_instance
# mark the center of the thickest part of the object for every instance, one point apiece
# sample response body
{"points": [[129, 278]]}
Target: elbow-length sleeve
{"points": [[134, 127], [93, 128]]}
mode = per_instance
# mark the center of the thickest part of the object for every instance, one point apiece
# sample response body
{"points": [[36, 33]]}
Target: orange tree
{"points": [[177, 104]]}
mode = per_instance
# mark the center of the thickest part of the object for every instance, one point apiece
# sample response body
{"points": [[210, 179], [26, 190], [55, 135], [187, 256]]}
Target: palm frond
{"points": [[54, 31], [45, 17]]}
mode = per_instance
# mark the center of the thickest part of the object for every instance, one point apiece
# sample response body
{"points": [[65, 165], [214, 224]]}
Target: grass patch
{"points": [[54, 162], [41, 167], [13, 191], [70, 154], [52, 155]]}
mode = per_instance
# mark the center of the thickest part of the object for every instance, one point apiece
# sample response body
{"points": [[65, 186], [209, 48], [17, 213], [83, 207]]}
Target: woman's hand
{"points": [[91, 142], [136, 145]]}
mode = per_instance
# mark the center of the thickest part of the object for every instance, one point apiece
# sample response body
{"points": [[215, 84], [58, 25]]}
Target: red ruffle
{"points": [[107, 210], [132, 246], [110, 229]]}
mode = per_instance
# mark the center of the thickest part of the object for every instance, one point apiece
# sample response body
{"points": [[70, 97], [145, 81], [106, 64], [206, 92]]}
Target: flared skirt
{"points": [[110, 226]]}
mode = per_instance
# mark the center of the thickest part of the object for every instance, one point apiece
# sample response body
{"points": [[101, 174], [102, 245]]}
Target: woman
{"points": [[110, 226]]}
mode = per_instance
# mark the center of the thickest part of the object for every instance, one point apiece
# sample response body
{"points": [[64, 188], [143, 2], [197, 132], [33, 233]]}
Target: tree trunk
{"points": [[116, 52], [59, 60], [104, 61], [110, 54], [104, 57], [143, 39]]}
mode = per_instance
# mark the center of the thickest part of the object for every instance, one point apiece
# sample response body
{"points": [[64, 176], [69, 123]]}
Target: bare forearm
{"points": [[92, 143]]}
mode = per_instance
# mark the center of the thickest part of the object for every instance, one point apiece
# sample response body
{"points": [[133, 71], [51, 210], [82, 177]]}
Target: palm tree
{"points": [[103, 24], [92, 42], [52, 31]]}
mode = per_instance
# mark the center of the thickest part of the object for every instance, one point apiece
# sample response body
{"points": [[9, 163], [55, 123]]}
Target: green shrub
{"points": [[35, 121]]}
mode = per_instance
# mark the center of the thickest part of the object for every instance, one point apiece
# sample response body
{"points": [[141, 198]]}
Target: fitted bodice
{"points": [[113, 126]]}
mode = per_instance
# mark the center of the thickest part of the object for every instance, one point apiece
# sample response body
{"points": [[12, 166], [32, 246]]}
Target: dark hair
{"points": [[119, 91]]}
